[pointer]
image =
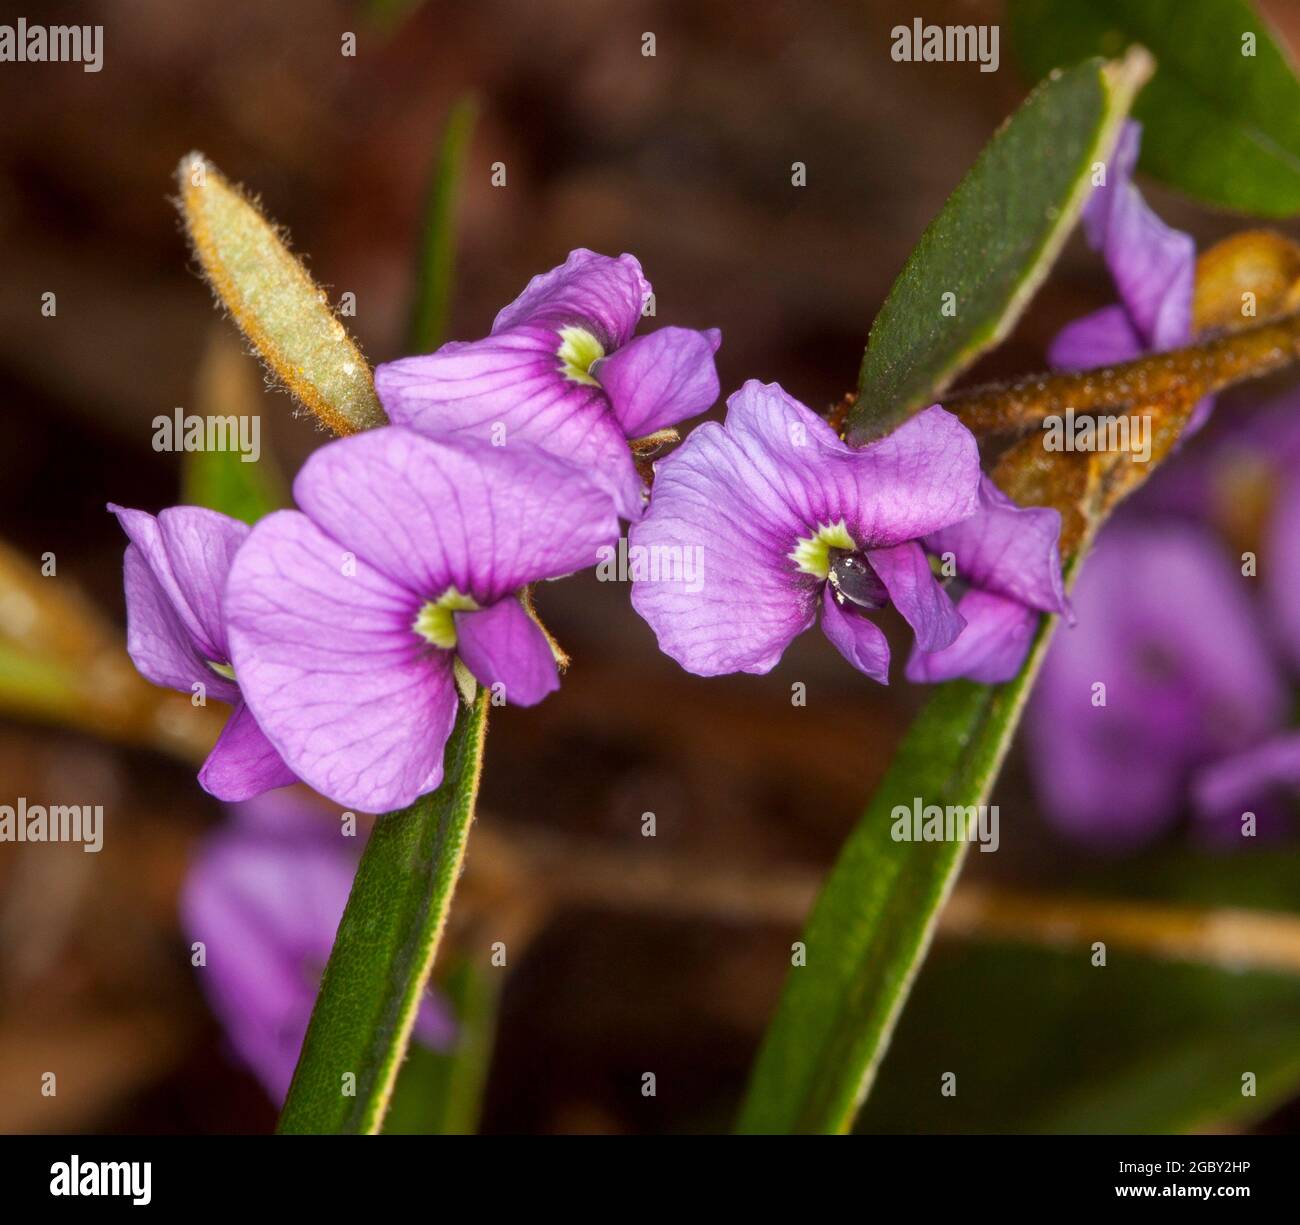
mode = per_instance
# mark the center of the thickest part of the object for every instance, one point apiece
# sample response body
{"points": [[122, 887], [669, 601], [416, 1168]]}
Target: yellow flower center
{"points": [[579, 350], [811, 554], [435, 622], [222, 669]]}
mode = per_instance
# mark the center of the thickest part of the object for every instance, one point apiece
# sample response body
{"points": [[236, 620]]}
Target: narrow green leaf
{"points": [[385, 948], [993, 241], [1141, 1046], [440, 1093], [276, 304], [1221, 117], [438, 251], [873, 919]]}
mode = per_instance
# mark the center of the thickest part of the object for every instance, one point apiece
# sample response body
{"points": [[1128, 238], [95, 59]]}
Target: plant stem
{"points": [[1196, 370], [384, 950]]}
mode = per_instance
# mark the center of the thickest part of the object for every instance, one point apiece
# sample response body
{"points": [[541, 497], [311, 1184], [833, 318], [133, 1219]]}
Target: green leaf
{"points": [[220, 480], [438, 251], [1219, 124], [873, 919], [227, 388], [440, 1093], [992, 243], [1141, 1045], [385, 948], [1041, 1040], [283, 312]]}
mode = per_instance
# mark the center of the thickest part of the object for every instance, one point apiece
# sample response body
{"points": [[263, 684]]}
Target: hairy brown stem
{"points": [[1176, 375]]}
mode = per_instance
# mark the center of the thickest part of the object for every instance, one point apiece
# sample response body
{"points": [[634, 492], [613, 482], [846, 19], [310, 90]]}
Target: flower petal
{"points": [[508, 389], [435, 1026], [856, 637], [1007, 549], [923, 476], [355, 702], [925, 605], [189, 549], [990, 649], [243, 763], [732, 503], [1283, 551], [708, 563], [1226, 789], [1152, 264], [603, 294], [431, 515], [1104, 338], [504, 645], [159, 644], [660, 379], [1164, 670], [265, 894]]}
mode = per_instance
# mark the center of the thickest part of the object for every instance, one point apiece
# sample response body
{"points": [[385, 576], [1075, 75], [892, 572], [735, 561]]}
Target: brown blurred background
{"points": [[683, 159]]}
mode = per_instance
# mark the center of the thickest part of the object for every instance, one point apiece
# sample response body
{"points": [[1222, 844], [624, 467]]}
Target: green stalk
{"points": [[384, 950]]}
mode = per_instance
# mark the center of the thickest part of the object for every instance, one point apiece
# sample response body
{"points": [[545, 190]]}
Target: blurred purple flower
{"points": [[1166, 626], [755, 524], [1007, 558], [562, 371], [175, 572], [345, 621], [264, 895], [1254, 780], [1243, 479]]}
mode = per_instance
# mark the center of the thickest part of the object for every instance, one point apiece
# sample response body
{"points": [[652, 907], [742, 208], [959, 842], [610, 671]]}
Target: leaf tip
{"points": [[1126, 76]]}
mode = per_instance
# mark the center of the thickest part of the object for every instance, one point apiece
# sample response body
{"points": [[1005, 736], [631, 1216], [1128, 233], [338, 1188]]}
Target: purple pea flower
{"points": [[1166, 626], [1006, 555], [264, 895], [175, 573], [1154, 270], [1254, 780], [561, 370], [346, 621], [1244, 480], [779, 517]]}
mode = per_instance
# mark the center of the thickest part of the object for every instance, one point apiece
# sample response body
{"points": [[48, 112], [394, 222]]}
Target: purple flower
{"points": [[1244, 480], [175, 576], [1166, 627], [345, 621], [1006, 555], [1154, 270], [755, 524], [562, 371], [1253, 780], [264, 895]]}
